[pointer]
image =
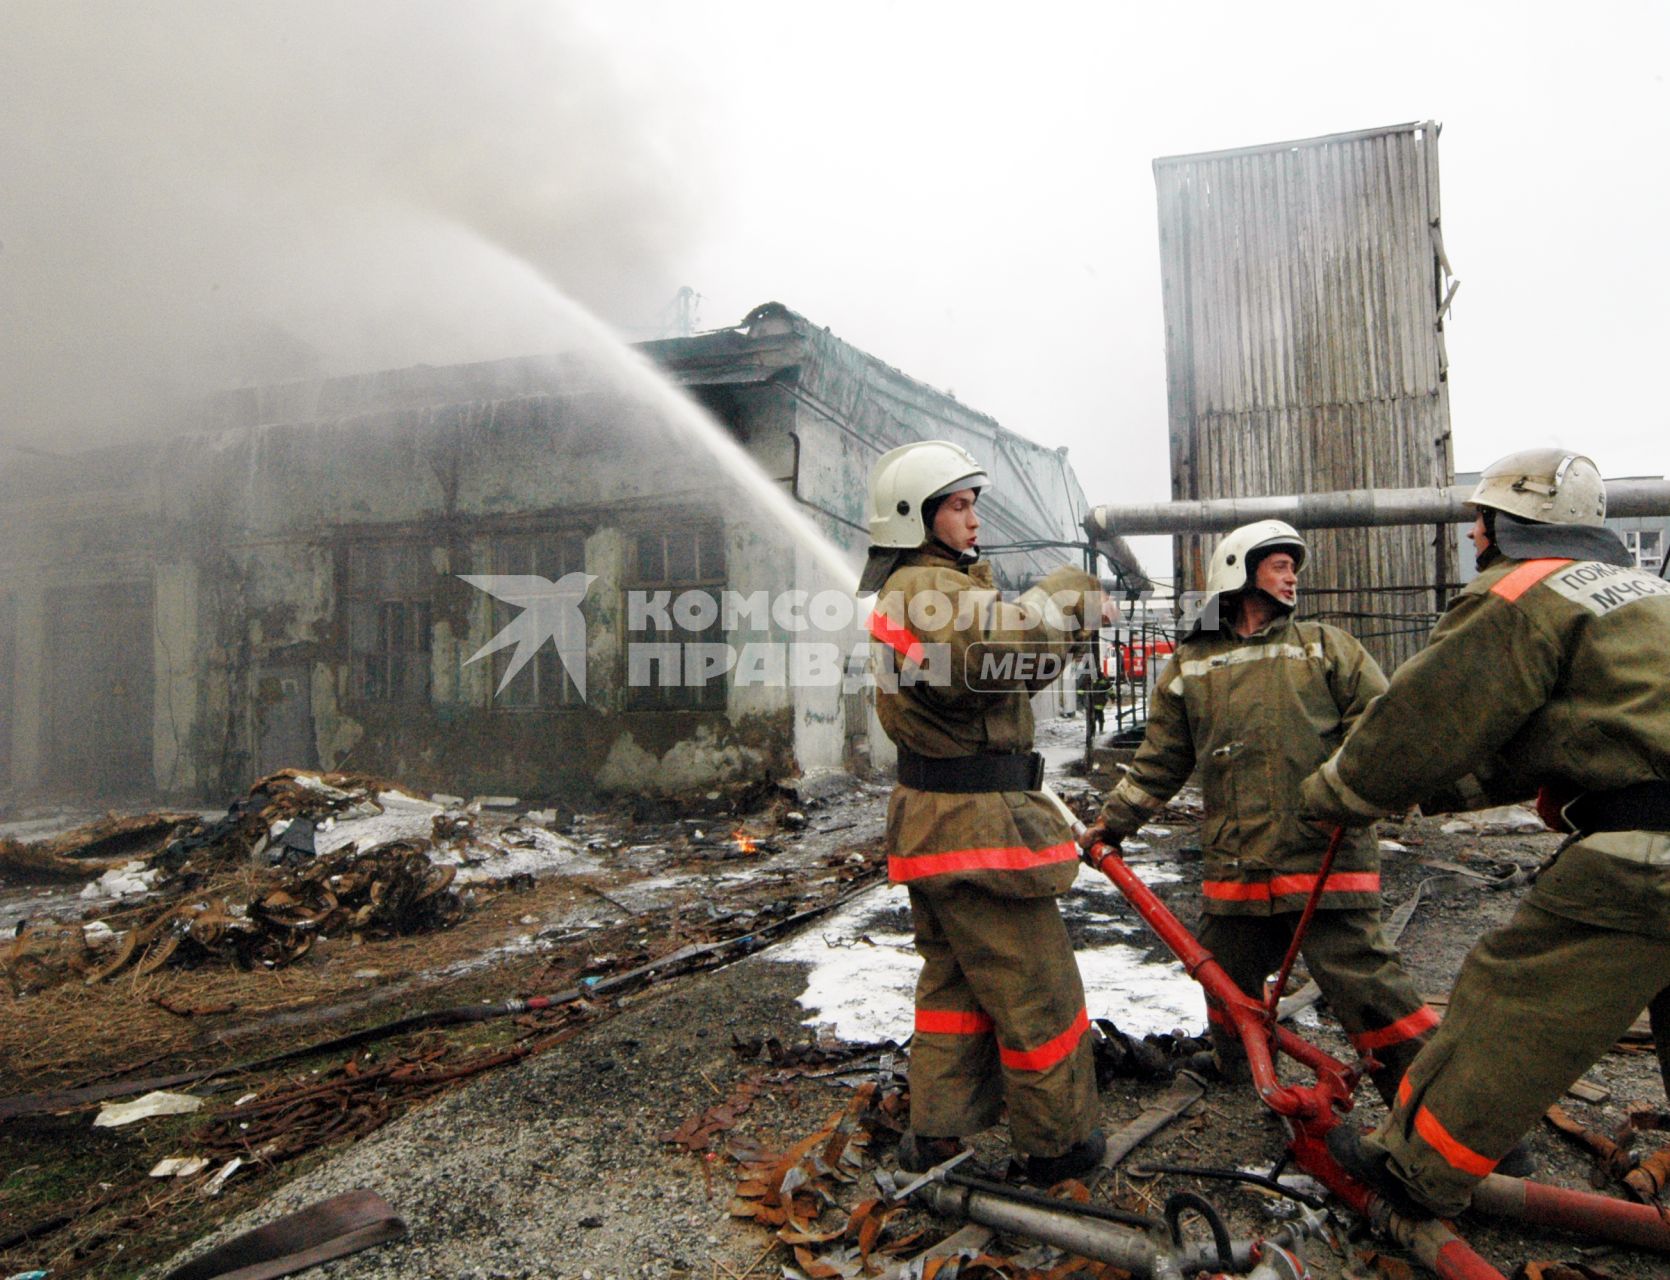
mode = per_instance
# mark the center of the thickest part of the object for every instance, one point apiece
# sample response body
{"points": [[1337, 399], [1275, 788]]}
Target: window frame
{"points": [[709, 570], [545, 668], [381, 667]]}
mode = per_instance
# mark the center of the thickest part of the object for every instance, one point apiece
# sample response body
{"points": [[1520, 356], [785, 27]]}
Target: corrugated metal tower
{"points": [[1305, 287]]}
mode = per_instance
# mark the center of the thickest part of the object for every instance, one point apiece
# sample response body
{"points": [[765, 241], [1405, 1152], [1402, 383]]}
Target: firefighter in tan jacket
{"points": [[1548, 672], [1256, 702], [1000, 1012]]}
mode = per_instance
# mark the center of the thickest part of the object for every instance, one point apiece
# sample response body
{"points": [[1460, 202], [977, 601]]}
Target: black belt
{"points": [[1016, 771], [1642, 806]]}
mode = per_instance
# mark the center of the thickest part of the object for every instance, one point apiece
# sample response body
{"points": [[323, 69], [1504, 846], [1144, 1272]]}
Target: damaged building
{"points": [[285, 582]]}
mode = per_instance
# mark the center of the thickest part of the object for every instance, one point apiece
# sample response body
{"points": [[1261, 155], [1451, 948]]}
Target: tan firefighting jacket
{"points": [[1256, 714], [956, 667], [1541, 673]]}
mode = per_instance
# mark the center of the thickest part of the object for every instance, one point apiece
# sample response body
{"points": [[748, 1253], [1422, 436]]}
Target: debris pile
{"points": [[127, 987], [107, 845], [387, 891], [303, 856], [808, 1195]]}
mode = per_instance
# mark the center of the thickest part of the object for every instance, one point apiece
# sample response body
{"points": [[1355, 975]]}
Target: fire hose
{"points": [[1310, 1112]]}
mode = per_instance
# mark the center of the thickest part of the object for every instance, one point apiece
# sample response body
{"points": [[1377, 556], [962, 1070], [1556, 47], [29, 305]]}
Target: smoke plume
{"points": [[204, 194]]}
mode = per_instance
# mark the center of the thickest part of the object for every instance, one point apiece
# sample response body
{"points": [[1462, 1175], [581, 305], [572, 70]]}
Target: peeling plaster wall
{"points": [[176, 663], [244, 534]]}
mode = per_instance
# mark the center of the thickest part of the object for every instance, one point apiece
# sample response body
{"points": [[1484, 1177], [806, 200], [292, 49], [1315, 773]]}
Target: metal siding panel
{"points": [[1300, 340]]}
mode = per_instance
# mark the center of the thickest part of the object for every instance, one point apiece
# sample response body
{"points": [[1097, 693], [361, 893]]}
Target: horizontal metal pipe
{"points": [[1143, 1256], [1347, 509], [1122, 558]]}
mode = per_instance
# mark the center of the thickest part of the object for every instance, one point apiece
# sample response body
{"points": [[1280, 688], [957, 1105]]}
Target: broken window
{"points": [[542, 683], [678, 574], [389, 606]]}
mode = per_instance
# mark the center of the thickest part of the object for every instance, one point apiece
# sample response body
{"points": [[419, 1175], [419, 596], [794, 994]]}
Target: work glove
{"points": [[1076, 595], [1098, 833]]}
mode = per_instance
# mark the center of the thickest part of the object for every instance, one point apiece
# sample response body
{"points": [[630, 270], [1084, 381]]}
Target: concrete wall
{"points": [[245, 533]]}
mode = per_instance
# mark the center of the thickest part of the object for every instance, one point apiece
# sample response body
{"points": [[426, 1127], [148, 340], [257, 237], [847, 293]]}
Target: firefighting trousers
{"points": [[1350, 958], [1000, 1019], [1537, 1003]]}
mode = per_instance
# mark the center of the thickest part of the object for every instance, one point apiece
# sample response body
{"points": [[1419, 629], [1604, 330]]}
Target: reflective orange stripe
{"points": [[1404, 1092], [1050, 1052], [953, 1022], [1423, 1019], [897, 636], [1235, 891], [1340, 882], [1286, 886], [919, 866], [1522, 579], [1458, 1155]]}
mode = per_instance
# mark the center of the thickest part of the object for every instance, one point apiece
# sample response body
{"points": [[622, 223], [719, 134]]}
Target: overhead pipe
{"points": [[1132, 577], [1345, 509]]}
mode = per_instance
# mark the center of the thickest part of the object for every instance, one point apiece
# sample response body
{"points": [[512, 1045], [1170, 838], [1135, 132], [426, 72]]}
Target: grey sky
{"points": [[204, 192]]}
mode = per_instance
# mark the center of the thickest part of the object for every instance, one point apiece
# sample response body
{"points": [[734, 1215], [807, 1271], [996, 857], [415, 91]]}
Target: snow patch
{"points": [[863, 975]]}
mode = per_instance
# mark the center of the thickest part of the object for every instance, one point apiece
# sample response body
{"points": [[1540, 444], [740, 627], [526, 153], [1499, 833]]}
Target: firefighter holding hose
{"points": [[1000, 1011], [1547, 675], [1257, 699]]}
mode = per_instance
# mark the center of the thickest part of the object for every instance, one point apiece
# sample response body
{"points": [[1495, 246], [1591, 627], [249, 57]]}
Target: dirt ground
{"points": [[613, 1137]]}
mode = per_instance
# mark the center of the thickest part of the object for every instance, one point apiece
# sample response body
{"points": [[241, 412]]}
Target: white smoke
{"points": [[199, 194]]}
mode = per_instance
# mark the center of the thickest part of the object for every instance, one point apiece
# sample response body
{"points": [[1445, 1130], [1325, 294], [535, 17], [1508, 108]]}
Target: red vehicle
{"points": [[1136, 657]]}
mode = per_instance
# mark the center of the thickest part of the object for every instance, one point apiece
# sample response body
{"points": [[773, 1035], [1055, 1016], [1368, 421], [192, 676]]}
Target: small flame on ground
{"points": [[745, 842]]}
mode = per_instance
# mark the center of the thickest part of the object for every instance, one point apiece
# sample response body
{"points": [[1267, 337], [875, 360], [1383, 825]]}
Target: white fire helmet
{"points": [[1545, 486], [905, 478], [1228, 570]]}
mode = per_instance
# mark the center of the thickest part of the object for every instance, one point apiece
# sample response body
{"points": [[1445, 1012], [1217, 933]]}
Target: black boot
{"points": [[1081, 1157], [918, 1154], [1370, 1166], [1518, 1163]]}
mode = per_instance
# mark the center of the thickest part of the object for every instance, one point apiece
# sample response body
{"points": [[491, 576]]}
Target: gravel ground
{"points": [[558, 1168]]}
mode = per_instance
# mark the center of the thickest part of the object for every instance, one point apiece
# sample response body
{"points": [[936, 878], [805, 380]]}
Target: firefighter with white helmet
{"points": [[1000, 1013], [1256, 699], [1227, 573], [1546, 677]]}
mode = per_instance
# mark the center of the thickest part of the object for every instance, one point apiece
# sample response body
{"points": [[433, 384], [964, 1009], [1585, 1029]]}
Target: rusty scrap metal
{"points": [[791, 1188], [390, 890], [687, 959], [696, 1134], [351, 1100], [96, 847], [1645, 1178]]}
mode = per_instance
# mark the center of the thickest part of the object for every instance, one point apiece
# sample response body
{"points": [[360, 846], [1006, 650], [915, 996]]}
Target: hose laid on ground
{"points": [[1581, 1212]]}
